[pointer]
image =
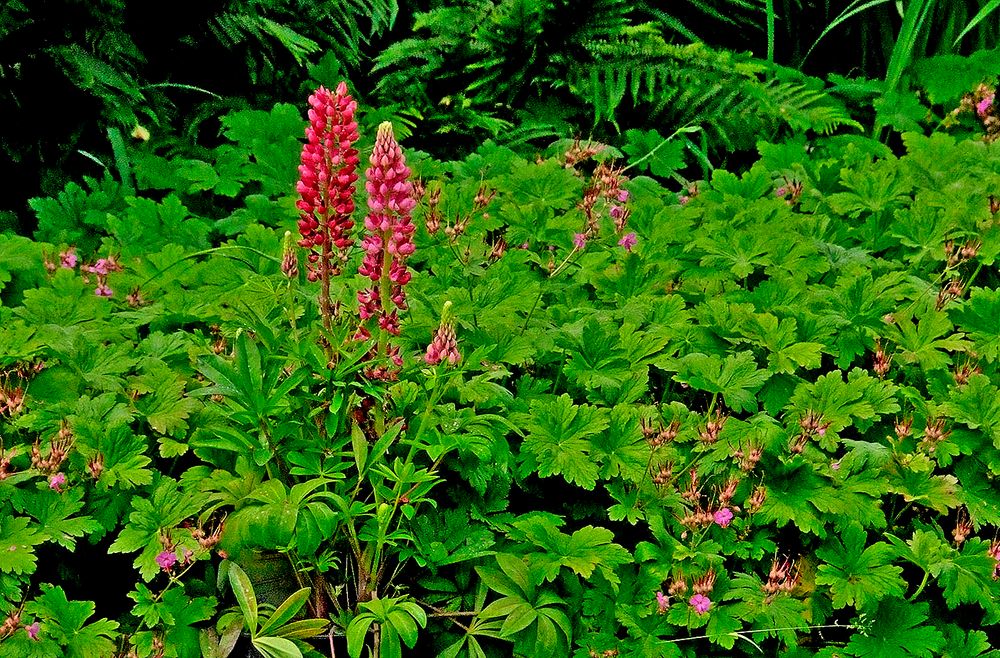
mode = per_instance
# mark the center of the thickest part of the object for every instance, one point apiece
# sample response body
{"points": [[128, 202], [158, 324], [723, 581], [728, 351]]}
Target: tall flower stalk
{"points": [[388, 242], [326, 187]]}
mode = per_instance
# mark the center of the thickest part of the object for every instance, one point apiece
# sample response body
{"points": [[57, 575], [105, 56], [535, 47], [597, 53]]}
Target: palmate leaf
{"points": [[929, 341], [587, 549], [65, 622], [54, 513], [557, 443], [898, 632], [977, 404], [783, 614], [163, 400], [785, 352], [858, 401], [788, 499], [974, 644], [938, 492], [596, 357], [17, 545], [978, 318], [857, 575], [857, 307], [735, 377]]}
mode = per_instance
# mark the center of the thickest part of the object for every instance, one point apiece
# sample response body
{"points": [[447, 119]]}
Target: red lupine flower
{"points": [[389, 232], [327, 175]]}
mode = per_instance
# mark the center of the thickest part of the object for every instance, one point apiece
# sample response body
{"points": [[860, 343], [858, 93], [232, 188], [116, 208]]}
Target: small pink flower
{"points": [[781, 191], [32, 630], [166, 560], [700, 603], [623, 196], [628, 241], [662, 602], [683, 199], [835, 465], [579, 240], [68, 259], [102, 290], [723, 517], [983, 106], [57, 481], [616, 212]]}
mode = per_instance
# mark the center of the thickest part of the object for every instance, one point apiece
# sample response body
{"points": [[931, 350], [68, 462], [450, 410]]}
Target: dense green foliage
{"points": [[729, 370]]}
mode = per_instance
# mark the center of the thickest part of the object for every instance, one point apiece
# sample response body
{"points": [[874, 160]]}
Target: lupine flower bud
{"points": [[327, 172], [444, 346], [289, 259]]}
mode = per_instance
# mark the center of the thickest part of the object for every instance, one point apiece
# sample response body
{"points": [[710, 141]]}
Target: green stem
{"points": [[682, 129], [923, 584], [527, 318], [213, 250]]}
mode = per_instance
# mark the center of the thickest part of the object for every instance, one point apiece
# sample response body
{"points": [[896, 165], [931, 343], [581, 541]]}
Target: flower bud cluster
{"points": [[59, 447], [660, 435], [957, 254], [983, 103], [882, 361], [954, 289], [748, 458], [11, 397], [783, 577], [812, 425], [327, 177], [713, 426], [994, 552], [689, 193], [934, 433], [790, 190], [963, 527], [965, 371]]}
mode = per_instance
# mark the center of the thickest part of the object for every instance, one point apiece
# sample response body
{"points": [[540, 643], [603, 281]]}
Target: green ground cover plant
{"points": [[576, 404]]}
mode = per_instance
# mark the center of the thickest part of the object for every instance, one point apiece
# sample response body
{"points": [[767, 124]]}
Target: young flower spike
{"points": [[388, 240], [444, 346]]}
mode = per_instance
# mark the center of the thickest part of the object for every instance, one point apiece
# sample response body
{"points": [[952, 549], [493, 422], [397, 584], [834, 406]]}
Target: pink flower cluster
{"points": [[166, 560], [388, 240], [327, 176], [101, 269]]}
